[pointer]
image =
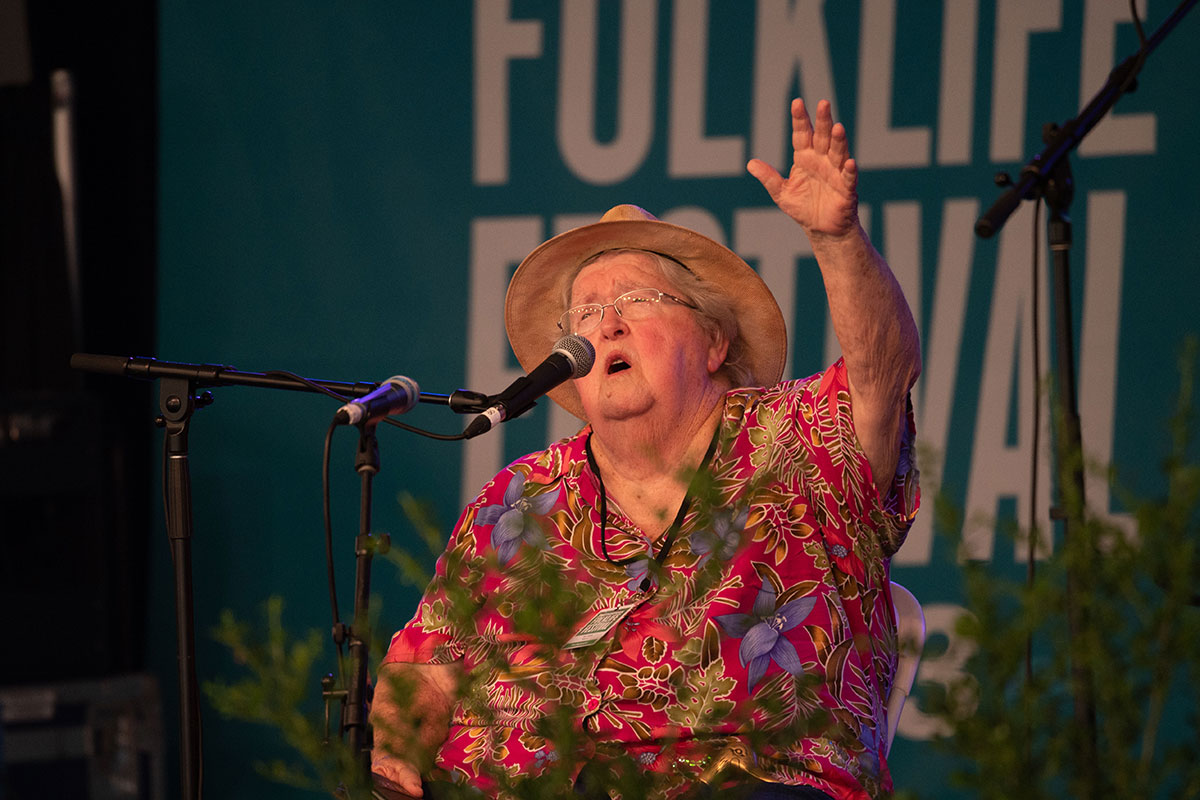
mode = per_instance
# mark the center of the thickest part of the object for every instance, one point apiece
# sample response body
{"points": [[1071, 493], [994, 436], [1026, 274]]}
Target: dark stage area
{"points": [[77, 273]]}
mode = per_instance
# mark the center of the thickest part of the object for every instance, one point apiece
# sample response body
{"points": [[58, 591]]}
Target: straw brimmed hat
{"points": [[534, 301]]}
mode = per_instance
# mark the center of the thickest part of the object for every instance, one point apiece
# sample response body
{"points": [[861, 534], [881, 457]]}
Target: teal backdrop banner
{"points": [[346, 188]]}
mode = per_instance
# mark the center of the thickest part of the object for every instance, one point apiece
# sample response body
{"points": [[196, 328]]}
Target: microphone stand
{"points": [[366, 545], [178, 401], [1047, 176]]}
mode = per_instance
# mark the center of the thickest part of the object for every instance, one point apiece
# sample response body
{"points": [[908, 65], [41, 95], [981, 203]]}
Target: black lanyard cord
{"points": [[661, 557]]}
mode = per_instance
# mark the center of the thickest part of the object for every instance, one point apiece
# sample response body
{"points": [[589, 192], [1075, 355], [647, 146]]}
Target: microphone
{"points": [[394, 396], [572, 357]]}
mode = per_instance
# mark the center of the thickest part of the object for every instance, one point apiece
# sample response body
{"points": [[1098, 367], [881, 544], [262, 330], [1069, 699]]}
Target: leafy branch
{"points": [[1015, 730]]}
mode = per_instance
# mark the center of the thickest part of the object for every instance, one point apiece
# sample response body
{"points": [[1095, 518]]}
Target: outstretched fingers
{"points": [[822, 136], [767, 175], [802, 130], [839, 148], [819, 190], [822, 133], [850, 173]]}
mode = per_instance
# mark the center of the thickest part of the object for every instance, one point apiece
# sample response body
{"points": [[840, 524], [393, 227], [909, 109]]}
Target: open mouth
{"points": [[617, 365]]}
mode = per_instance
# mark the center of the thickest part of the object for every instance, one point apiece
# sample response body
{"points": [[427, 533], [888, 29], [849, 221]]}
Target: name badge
{"points": [[598, 626]]}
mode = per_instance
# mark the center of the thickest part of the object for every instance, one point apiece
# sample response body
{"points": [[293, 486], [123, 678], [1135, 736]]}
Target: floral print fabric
{"points": [[769, 621]]}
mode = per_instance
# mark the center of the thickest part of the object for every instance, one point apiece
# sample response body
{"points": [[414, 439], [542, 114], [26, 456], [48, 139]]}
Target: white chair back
{"points": [[910, 628]]}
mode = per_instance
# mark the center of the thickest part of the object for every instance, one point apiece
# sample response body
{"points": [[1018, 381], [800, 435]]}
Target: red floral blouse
{"points": [[762, 617]]}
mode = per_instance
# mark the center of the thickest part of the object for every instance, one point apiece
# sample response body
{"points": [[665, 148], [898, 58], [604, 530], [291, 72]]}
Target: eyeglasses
{"points": [[636, 305]]}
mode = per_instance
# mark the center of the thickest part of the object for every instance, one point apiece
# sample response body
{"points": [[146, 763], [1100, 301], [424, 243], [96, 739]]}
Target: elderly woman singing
{"points": [[722, 539]]}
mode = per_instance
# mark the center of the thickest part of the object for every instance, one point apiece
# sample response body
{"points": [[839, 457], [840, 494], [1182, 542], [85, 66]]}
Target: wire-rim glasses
{"points": [[635, 305]]}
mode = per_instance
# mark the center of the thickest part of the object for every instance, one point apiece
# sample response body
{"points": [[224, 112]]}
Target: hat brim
{"points": [[534, 300]]}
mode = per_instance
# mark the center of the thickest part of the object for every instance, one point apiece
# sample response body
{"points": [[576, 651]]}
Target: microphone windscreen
{"points": [[410, 390], [579, 352]]}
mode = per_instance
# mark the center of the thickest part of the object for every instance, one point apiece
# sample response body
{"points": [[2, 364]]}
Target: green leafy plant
{"points": [[281, 671], [279, 680], [1106, 708]]}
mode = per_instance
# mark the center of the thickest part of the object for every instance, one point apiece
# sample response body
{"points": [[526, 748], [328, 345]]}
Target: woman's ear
{"points": [[717, 352]]}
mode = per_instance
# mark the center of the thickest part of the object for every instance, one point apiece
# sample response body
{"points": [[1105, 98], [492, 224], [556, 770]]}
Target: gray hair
{"points": [[714, 311]]}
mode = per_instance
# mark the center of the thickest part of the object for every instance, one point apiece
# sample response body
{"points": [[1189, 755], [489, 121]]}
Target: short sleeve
{"points": [[840, 479]]}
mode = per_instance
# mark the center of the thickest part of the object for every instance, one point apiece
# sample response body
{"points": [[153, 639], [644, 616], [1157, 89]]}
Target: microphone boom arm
{"points": [[461, 401], [1039, 168]]}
